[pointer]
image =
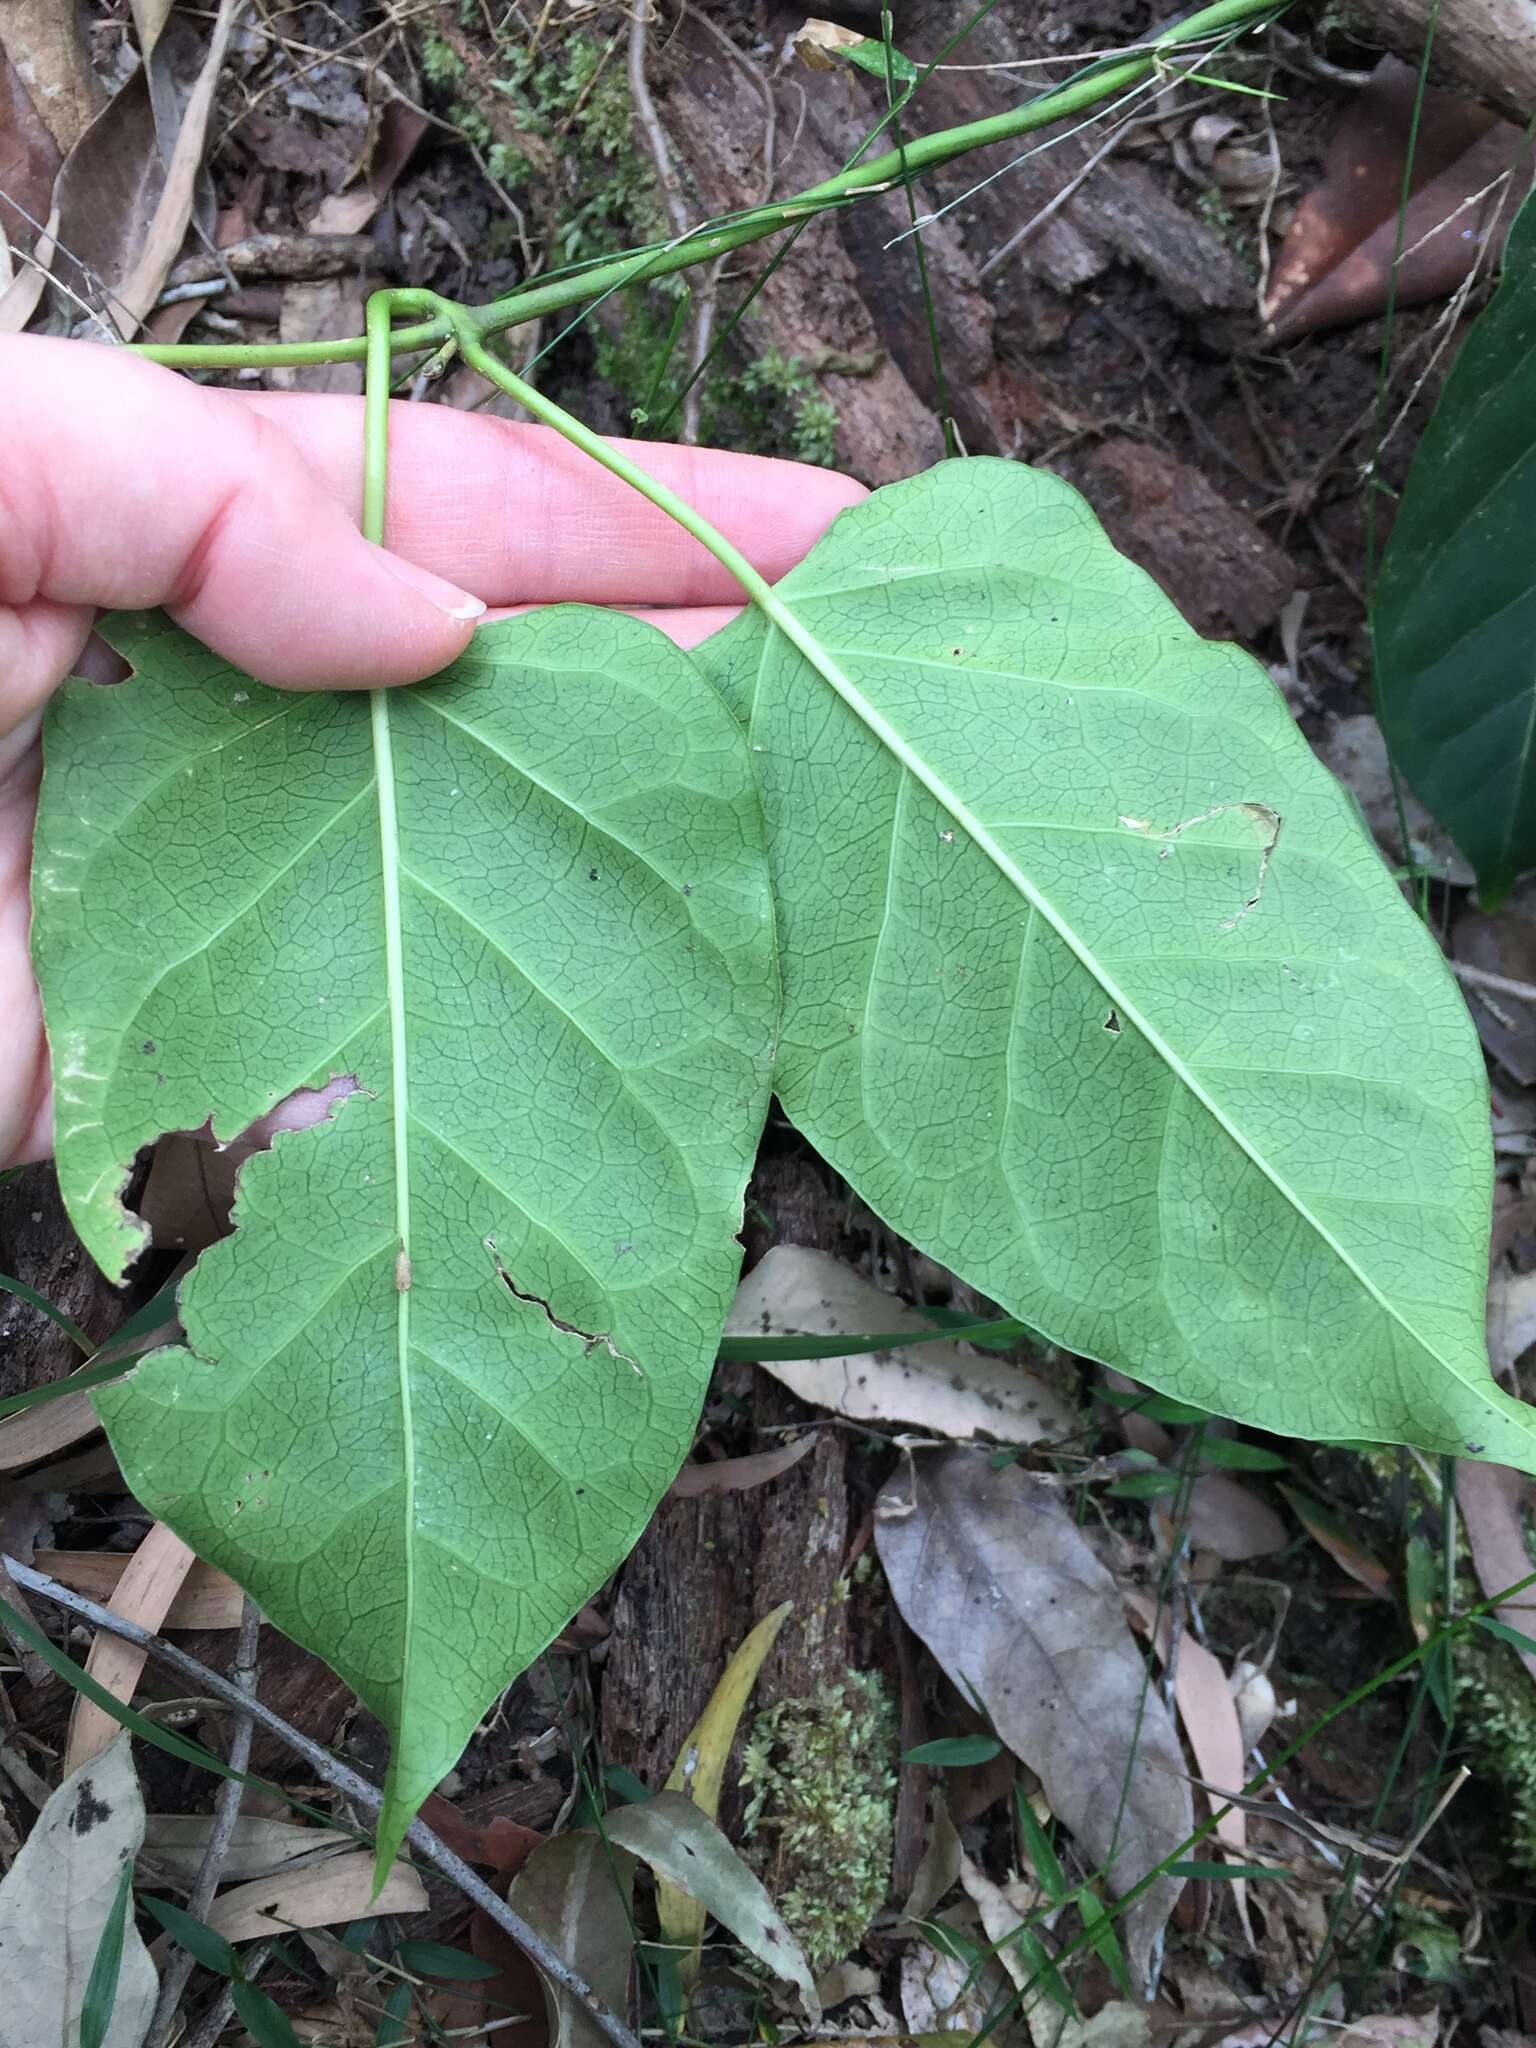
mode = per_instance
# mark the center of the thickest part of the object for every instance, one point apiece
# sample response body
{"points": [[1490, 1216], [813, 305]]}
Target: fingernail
{"points": [[448, 597]]}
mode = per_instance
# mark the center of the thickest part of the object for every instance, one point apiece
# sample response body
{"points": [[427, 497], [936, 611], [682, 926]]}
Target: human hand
{"points": [[124, 486]]}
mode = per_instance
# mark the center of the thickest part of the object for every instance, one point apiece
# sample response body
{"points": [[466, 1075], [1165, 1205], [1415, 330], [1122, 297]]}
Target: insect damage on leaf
{"points": [[594, 1340]]}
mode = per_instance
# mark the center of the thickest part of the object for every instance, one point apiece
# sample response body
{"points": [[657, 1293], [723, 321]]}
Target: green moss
{"points": [[822, 1813], [774, 407]]}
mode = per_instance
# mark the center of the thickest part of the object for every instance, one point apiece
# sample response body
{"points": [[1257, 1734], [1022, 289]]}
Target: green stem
{"points": [[923, 153]]}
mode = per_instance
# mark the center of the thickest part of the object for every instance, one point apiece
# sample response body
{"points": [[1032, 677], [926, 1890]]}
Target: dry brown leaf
{"points": [[43, 41], [1209, 1712], [988, 1567], [1226, 1518], [167, 229], [1490, 1498], [205, 1599], [1502, 942], [37, 1433], [320, 1895], [738, 1475], [29, 161], [327, 311], [347, 213], [938, 1387], [1004, 1908], [151, 1580], [939, 1871], [1331, 1533], [1336, 263], [104, 199]]}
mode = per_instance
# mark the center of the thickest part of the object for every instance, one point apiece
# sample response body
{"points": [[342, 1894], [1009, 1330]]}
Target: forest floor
{"points": [[1096, 308]]}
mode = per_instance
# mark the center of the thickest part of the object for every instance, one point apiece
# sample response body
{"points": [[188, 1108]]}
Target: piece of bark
{"points": [[703, 1573], [1486, 47], [1227, 578]]}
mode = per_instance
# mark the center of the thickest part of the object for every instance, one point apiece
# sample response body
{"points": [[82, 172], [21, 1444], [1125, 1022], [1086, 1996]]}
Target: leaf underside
{"points": [[419, 1473], [1105, 999], [1455, 612]]}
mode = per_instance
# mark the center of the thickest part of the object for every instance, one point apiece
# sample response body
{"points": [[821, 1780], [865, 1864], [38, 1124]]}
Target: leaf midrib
{"points": [[782, 617]]}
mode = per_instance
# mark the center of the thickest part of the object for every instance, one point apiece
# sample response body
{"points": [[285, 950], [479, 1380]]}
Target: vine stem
{"points": [[1103, 81]]}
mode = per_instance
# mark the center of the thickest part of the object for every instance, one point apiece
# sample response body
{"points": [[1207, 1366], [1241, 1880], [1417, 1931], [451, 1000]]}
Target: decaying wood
{"points": [[1487, 47]]}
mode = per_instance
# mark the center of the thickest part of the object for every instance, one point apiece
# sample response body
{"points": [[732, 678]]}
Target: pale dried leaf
{"points": [[1203, 1695], [989, 1569], [42, 38], [941, 1995], [54, 1905], [1003, 1910], [168, 226], [149, 18], [1253, 1694], [1490, 1498], [938, 1387], [682, 1845], [1225, 1517], [738, 1475], [1511, 1318], [575, 1891], [320, 1895], [175, 1842], [151, 1580], [1116, 2025], [1392, 2030], [206, 1598], [37, 1433], [325, 311], [939, 1871]]}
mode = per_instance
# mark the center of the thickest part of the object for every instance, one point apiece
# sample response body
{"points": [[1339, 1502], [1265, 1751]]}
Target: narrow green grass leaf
{"points": [[100, 2001], [761, 1350], [1516, 1638], [265, 2021], [1223, 1873], [1095, 987], [455, 1349], [202, 1942], [1234, 1454], [1455, 605]]}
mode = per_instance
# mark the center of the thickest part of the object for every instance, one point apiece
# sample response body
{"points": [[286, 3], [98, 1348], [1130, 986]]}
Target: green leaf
{"points": [[540, 943], [1235, 1454], [1156, 1407], [1516, 1638], [953, 1751], [1096, 989], [437, 1959], [265, 2021], [202, 1942], [1455, 606], [1223, 1873], [1144, 1486]]}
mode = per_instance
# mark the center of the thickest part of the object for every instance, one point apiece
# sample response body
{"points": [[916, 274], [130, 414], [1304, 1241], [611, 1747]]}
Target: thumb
{"points": [[126, 486]]}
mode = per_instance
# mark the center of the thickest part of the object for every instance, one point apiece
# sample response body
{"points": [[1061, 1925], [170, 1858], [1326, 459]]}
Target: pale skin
{"points": [[125, 486]]}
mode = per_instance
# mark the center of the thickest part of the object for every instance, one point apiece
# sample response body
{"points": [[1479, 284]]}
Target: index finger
{"points": [[517, 515]]}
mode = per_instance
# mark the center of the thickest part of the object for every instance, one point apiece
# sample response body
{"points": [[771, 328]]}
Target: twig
{"points": [[341, 1778], [226, 1808], [1500, 984], [702, 313]]}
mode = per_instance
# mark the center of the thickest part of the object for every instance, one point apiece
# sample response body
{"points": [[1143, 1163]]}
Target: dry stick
{"points": [[1500, 984], [341, 1778], [226, 1808], [702, 320]]}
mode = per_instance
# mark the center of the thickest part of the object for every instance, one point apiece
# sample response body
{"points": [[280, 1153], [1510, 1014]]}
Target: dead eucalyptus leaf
{"points": [[575, 1891], [151, 1579], [104, 199], [988, 1567], [257, 1848], [43, 41], [1336, 262], [29, 160], [320, 1895], [938, 1387], [55, 1903], [149, 18], [1224, 1517], [1511, 1318], [738, 1475], [1490, 1498]]}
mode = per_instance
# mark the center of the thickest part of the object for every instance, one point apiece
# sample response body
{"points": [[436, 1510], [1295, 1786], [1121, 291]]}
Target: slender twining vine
{"points": [[1032, 908]]}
